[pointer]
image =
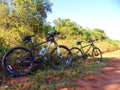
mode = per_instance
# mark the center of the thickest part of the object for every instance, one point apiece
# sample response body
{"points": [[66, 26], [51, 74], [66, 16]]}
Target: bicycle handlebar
{"points": [[54, 33], [91, 41], [58, 33]]}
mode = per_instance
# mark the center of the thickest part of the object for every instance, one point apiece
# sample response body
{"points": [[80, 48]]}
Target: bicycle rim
{"points": [[18, 61], [97, 55], [77, 54], [60, 60]]}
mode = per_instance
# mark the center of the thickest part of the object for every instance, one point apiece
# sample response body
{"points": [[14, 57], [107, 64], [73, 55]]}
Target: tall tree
{"points": [[31, 13], [68, 27]]}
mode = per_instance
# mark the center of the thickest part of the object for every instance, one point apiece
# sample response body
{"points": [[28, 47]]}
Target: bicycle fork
{"points": [[59, 53]]}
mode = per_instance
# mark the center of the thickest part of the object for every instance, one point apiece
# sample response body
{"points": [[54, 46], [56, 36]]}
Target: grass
{"points": [[49, 79], [112, 54]]}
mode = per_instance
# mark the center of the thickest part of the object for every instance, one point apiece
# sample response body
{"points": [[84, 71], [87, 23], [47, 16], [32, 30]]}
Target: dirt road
{"points": [[109, 79]]}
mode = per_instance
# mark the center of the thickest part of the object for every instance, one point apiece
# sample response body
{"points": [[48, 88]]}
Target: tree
{"points": [[27, 13], [68, 27], [72, 30], [3, 14], [21, 17], [98, 33]]}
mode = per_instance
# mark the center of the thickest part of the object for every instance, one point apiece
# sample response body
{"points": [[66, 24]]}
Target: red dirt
{"points": [[109, 79]]}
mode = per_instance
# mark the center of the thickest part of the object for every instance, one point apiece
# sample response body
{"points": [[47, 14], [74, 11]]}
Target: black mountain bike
{"points": [[82, 54], [19, 61]]}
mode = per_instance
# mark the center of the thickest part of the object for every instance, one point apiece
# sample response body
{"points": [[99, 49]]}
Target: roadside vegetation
{"points": [[26, 17]]}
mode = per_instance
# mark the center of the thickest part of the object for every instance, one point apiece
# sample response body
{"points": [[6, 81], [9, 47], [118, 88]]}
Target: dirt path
{"points": [[109, 79]]}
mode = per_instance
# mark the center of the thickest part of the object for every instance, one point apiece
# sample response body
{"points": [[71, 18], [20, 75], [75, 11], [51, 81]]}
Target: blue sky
{"points": [[102, 14]]}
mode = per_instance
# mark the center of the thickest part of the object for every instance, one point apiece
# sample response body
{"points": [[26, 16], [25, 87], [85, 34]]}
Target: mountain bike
{"points": [[83, 54], [19, 61]]}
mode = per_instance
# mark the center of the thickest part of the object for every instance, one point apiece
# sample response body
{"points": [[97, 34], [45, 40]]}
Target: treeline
{"points": [[22, 17], [71, 30]]}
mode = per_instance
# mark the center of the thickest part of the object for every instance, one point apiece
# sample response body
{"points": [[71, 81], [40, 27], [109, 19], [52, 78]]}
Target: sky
{"points": [[102, 14]]}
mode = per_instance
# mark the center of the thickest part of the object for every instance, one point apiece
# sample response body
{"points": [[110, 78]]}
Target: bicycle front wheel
{"points": [[18, 61], [97, 55], [60, 57], [77, 54]]}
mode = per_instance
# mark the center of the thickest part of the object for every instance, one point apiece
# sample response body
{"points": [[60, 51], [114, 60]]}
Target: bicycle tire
{"points": [[11, 61], [77, 53], [97, 55], [55, 60]]}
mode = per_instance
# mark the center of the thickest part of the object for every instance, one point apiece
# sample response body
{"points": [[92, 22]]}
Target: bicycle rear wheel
{"points": [[60, 57], [97, 55], [18, 61]]}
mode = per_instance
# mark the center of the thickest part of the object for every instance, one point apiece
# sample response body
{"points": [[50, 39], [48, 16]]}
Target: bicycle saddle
{"points": [[27, 39], [79, 42]]}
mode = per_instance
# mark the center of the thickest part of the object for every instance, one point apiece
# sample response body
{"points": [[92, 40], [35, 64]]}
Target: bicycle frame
{"points": [[92, 52], [52, 40], [49, 39], [91, 45], [32, 48]]}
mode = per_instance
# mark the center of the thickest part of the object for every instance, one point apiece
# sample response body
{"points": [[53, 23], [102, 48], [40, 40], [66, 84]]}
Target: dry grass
{"points": [[112, 54]]}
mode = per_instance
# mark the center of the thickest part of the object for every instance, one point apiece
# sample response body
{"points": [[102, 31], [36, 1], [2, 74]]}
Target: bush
{"points": [[3, 47], [108, 45]]}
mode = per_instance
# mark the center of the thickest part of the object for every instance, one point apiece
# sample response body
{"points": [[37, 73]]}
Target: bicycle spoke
{"points": [[18, 61], [77, 54], [97, 55], [61, 59]]}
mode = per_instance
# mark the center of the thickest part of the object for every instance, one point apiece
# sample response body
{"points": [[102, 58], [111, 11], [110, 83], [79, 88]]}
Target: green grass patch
{"points": [[49, 79], [52, 79]]}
